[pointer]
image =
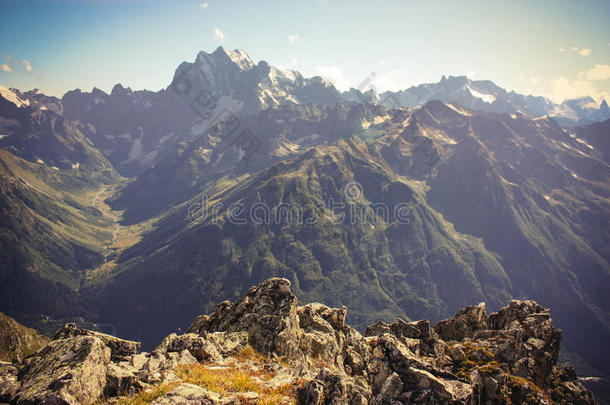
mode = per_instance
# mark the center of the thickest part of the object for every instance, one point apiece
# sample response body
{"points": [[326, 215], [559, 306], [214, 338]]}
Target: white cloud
{"points": [[218, 35], [6, 68], [599, 72], [335, 75], [27, 66], [292, 65], [204, 5], [563, 89], [577, 50], [294, 38], [394, 80]]}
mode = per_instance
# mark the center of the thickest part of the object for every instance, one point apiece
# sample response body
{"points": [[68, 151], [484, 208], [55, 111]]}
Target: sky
{"points": [[555, 48]]}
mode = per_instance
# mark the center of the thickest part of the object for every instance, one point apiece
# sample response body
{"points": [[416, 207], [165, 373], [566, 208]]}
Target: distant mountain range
{"points": [[231, 81], [420, 202], [484, 95]]}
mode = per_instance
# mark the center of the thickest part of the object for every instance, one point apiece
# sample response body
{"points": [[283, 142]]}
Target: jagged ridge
{"points": [[265, 348]]}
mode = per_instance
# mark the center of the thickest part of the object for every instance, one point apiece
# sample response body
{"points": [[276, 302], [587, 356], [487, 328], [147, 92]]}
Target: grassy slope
{"points": [[18, 341], [52, 235]]}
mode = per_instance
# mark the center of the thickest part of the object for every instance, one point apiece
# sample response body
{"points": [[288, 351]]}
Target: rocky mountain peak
{"points": [[308, 355], [119, 90], [237, 57]]}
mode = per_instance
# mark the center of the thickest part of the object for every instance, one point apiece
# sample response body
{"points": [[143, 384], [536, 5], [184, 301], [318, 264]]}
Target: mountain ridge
{"points": [[267, 348]]}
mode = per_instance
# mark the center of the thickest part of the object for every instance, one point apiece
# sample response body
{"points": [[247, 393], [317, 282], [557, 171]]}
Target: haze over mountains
{"points": [[488, 195]]}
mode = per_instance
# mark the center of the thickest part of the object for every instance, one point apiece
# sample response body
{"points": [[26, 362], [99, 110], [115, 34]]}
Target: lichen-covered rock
{"points": [[8, 381], [471, 358], [330, 388], [121, 349], [464, 324], [267, 347], [274, 324], [199, 347], [211, 347], [120, 378], [188, 394], [267, 312], [66, 371]]}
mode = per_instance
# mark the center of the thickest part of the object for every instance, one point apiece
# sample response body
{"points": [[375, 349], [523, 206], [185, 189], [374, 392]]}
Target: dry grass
{"points": [[219, 380], [234, 380], [148, 396], [250, 354]]}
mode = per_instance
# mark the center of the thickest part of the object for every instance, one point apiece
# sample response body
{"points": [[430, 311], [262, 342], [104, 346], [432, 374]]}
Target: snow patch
{"points": [[487, 98]]}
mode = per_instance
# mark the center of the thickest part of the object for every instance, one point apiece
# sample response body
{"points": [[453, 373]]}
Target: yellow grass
{"points": [[148, 396]]}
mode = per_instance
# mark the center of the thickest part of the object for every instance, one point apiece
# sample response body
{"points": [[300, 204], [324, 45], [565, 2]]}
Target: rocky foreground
{"points": [[266, 349]]}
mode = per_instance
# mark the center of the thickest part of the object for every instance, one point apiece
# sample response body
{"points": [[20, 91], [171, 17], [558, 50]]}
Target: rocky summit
{"points": [[265, 348]]}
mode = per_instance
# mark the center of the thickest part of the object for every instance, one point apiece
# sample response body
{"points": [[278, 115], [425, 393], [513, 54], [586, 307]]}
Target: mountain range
{"points": [[133, 212]]}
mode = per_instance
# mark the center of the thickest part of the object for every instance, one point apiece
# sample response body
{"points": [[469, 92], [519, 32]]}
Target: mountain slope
{"points": [[223, 155], [381, 264], [51, 232], [17, 341]]}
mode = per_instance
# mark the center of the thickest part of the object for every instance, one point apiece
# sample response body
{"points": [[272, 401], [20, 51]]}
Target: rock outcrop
{"points": [[265, 348], [66, 371]]}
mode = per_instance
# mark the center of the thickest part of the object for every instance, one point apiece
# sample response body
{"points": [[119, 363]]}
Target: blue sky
{"points": [[556, 48]]}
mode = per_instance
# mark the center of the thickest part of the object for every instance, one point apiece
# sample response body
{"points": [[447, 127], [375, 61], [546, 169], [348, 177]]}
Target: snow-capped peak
{"points": [[237, 56], [241, 58], [11, 96]]}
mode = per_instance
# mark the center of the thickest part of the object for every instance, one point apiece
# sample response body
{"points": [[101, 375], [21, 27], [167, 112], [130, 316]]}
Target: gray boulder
{"points": [[66, 371]]}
